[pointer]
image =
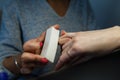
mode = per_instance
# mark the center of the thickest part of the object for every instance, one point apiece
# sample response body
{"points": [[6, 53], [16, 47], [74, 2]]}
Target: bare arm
{"points": [[88, 44]]}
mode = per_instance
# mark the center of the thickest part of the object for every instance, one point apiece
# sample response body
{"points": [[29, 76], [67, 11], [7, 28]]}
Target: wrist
{"points": [[10, 64], [116, 36]]}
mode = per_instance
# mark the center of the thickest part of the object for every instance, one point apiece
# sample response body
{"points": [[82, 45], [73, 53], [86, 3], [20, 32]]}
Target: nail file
{"points": [[50, 44]]}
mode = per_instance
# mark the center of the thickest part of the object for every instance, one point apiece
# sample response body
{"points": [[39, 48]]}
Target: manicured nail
{"points": [[44, 60], [41, 44]]}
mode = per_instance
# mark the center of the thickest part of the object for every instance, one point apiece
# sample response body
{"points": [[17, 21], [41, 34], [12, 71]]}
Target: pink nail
{"points": [[41, 44], [44, 60]]}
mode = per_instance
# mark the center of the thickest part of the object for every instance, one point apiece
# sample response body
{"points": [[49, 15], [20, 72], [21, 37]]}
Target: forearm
{"points": [[114, 38], [9, 63], [108, 40]]}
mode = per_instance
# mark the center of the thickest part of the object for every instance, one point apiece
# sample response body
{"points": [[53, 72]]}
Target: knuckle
{"points": [[77, 48], [75, 39]]}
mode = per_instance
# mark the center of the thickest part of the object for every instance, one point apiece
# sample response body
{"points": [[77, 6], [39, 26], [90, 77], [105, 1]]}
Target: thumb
{"points": [[56, 26], [63, 32]]}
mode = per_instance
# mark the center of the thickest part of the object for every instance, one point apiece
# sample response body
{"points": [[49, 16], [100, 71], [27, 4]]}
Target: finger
{"points": [[34, 47], [28, 46], [56, 26], [29, 57], [62, 61], [64, 51], [63, 41], [63, 32], [38, 49], [68, 54], [59, 65], [68, 35], [64, 58], [31, 46], [41, 44], [69, 43], [41, 38], [32, 65]]}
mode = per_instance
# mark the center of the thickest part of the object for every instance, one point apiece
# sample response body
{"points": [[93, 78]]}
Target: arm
{"points": [[11, 43], [88, 44], [10, 38]]}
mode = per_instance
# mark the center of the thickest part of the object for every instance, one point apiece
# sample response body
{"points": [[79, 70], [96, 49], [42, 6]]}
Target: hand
{"points": [[83, 46], [31, 57]]}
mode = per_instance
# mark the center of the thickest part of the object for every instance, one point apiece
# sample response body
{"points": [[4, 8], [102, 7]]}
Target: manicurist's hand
{"points": [[31, 58], [82, 46]]}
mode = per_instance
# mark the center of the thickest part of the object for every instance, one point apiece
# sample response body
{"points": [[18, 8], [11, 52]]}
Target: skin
{"points": [[83, 46], [59, 6]]}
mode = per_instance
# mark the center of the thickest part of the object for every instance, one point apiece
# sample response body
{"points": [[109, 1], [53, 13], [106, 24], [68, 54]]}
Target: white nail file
{"points": [[50, 44]]}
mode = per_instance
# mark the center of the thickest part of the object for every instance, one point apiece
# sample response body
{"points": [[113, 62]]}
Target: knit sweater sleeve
{"points": [[10, 34]]}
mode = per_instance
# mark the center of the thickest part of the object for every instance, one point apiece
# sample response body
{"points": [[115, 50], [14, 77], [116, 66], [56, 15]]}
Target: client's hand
{"points": [[83, 46]]}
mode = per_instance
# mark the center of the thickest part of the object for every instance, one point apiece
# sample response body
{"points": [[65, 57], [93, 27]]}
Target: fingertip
{"points": [[41, 37], [63, 32], [60, 63], [63, 60], [57, 26], [57, 67], [41, 44], [44, 60]]}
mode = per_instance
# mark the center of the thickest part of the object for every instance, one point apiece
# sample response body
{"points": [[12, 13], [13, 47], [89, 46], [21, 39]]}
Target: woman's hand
{"points": [[31, 57], [83, 46]]}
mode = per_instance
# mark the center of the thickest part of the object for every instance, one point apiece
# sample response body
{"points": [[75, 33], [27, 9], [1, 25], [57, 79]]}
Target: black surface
{"points": [[104, 68]]}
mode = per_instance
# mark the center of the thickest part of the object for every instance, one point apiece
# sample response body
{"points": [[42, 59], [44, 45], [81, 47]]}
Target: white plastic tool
{"points": [[50, 44]]}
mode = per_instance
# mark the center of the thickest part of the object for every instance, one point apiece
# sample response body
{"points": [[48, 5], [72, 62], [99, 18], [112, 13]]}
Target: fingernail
{"points": [[41, 44], [44, 60]]}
